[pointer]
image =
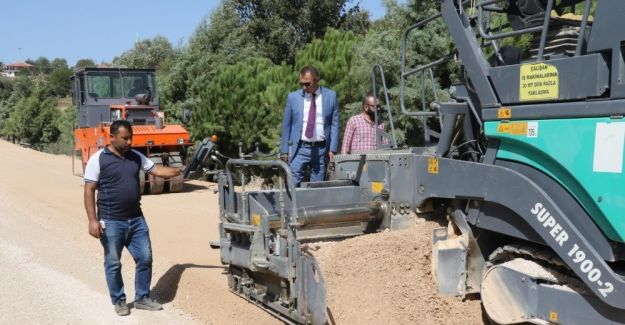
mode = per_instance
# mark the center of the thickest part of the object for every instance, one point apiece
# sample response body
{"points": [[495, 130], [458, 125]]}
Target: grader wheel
{"points": [[175, 184], [141, 181], [156, 185]]}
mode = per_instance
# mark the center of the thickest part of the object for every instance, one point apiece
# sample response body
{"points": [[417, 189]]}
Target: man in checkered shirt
{"points": [[360, 132]]}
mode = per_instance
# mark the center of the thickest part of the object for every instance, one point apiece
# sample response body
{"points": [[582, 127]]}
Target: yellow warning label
{"points": [[539, 81], [504, 113], [433, 165], [553, 316], [255, 219], [376, 187], [514, 128]]}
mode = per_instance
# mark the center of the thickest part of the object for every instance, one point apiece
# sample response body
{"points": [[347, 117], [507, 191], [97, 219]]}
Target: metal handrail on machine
{"points": [[482, 7], [386, 100], [242, 163]]}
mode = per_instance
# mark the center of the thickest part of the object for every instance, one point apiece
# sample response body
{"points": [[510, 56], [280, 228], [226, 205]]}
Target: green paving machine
{"points": [[524, 164]]}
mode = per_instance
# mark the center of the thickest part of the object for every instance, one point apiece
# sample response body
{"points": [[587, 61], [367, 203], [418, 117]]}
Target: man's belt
{"points": [[313, 143]]}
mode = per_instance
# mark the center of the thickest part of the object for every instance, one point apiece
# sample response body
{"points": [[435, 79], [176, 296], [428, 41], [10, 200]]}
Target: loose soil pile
{"points": [[386, 278]]}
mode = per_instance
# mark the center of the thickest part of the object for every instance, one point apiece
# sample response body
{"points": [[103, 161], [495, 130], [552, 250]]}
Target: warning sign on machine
{"points": [[539, 81]]}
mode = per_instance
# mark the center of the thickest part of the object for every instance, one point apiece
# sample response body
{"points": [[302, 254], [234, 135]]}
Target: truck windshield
{"points": [[104, 85], [138, 83]]}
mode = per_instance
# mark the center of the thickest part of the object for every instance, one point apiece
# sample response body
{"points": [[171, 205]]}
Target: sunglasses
{"points": [[305, 84], [376, 106]]}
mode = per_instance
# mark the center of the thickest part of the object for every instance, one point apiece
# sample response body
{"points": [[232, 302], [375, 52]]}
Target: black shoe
{"points": [[147, 303], [121, 308]]}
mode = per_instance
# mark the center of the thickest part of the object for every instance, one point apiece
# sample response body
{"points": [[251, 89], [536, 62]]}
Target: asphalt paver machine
{"points": [[525, 161]]}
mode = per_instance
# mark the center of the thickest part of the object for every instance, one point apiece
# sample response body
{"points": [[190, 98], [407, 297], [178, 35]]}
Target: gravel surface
{"points": [[385, 278], [51, 270]]}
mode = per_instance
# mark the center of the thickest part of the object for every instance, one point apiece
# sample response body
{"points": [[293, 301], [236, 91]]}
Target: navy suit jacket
{"points": [[294, 116]]}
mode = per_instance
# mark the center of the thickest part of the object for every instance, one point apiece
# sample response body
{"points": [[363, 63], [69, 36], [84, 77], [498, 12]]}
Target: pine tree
{"points": [[244, 102], [334, 56]]}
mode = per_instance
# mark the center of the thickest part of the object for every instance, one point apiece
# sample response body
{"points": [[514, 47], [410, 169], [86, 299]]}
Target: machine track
{"points": [[517, 280], [554, 267], [509, 252]]}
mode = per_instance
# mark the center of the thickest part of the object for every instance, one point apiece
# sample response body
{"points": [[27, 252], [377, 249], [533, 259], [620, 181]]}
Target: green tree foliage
{"points": [[334, 55], [33, 119], [52, 76], [6, 88], [58, 63], [344, 58], [240, 30], [250, 95], [382, 45], [222, 37], [42, 65], [149, 53], [85, 63], [59, 82], [30, 114], [280, 27], [22, 87], [65, 124], [244, 102], [59, 79], [219, 40], [379, 47], [356, 20], [8, 98], [243, 59]]}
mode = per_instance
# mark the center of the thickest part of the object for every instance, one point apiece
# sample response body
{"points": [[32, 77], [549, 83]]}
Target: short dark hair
{"points": [[364, 98], [120, 124], [309, 69]]}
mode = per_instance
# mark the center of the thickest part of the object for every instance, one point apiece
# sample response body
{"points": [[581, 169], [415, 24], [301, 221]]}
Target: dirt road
{"points": [[51, 269]]}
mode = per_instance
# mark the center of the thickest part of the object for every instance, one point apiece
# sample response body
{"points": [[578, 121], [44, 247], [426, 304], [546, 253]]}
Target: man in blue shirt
{"points": [[114, 172]]}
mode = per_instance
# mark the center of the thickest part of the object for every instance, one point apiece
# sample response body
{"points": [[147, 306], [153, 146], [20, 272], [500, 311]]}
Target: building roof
{"points": [[20, 65]]}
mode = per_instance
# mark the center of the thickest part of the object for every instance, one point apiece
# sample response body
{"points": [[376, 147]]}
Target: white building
{"points": [[11, 70]]}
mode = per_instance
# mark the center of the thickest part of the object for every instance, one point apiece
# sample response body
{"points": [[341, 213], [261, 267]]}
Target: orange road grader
{"points": [[103, 95]]}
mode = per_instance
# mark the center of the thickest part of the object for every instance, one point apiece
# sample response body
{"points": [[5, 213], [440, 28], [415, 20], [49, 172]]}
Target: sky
{"points": [[101, 30]]}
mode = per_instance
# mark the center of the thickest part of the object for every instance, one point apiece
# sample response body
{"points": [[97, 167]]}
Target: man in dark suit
{"points": [[310, 127]]}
